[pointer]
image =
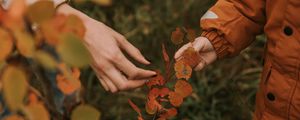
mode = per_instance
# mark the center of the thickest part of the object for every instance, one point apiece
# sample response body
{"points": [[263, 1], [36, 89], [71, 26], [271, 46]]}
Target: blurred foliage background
{"points": [[225, 90]]}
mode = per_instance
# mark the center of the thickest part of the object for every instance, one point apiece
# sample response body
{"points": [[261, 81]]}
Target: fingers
{"points": [[181, 50], [130, 69], [130, 49]]}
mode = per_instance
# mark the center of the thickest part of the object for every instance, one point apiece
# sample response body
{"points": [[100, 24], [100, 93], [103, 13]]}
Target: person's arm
{"points": [[228, 27], [114, 71]]}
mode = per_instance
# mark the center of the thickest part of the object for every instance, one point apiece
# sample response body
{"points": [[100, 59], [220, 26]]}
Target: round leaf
{"points": [[6, 44], [14, 87], [183, 88], [41, 11], [175, 99], [25, 43], [45, 60], [85, 112], [72, 51], [37, 112]]}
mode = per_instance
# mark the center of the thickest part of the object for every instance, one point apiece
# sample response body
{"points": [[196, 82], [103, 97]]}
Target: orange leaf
{"points": [[183, 71], [151, 106], [74, 25], [33, 99], [164, 91], [158, 80], [168, 113], [191, 35], [175, 99], [6, 44], [191, 57], [69, 86], [37, 112], [165, 54], [183, 88], [13, 117], [136, 109], [177, 36]]}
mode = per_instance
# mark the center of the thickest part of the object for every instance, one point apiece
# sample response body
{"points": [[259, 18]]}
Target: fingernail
{"points": [[154, 75]]}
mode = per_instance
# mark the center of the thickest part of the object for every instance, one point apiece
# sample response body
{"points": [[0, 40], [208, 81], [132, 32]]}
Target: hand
{"points": [[114, 71], [206, 51]]}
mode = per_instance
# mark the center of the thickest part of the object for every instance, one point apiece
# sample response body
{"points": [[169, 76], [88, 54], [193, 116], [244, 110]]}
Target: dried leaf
{"points": [[14, 87], [191, 57], [183, 88], [191, 35], [183, 71], [37, 112], [158, 80], [175, 99], [72, 51], [177, 36], [85, 112], [168, 113], [6, 44], [45, 60], [165, 54], [69, 86], [41, 11], [25, 43], [152, 106], [13, 117], [74, 24]]}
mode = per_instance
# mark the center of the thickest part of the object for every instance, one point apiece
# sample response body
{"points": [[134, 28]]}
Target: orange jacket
{"points": [[231, 25]]}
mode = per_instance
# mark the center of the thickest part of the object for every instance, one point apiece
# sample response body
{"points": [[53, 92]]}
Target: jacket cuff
{"points": [[220, 45]]}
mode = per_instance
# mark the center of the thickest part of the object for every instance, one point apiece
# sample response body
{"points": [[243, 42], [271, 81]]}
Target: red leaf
{"points": [[168, 113], [183, 88], [175, 99], [158, 80], [165, 54], [136, 109], [177, 36], [191, 35]]}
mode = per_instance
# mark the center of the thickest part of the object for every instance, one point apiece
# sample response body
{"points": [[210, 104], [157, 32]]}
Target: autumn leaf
{"points": [[183, 88], [175, 99], [72, 51], [103, 2], [152, 106], [191, 57], [13, 117], [177, 36], [6, 44], [135, 108], [74, 24], [25, 43], [14, 87], [37, 111], [182, 70], [168, 113], [158, 80], [51, 29], [191, 35], [69, 86], [165, 54], [85, 112], [41, 11], [45, 59]]}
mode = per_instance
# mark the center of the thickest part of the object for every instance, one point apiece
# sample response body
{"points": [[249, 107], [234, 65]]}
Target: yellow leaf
{"points": [[13, 117], [103, 2], [25, 43], [72, 51], [45, 59], [37, 112], [41, 11], [6, 44], [14, 87], [85, 112]]}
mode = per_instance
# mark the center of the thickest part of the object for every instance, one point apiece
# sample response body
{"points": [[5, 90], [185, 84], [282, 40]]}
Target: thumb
{"points": [[181, 50]]}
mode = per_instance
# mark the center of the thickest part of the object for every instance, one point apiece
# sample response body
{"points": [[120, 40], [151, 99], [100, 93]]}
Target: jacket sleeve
{"points": [[231, 25]]}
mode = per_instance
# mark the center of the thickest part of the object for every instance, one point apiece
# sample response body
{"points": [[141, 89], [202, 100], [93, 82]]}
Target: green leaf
{"points": [[85, 112], [41, 11], [72, 51], [45, 59], [14, 87]]}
